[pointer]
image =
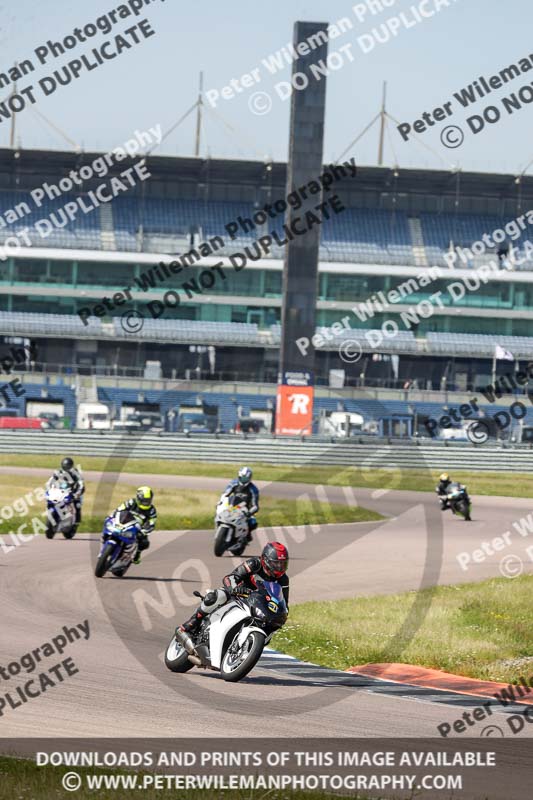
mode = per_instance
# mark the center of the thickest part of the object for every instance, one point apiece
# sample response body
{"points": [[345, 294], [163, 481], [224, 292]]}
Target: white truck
{"points": [[93, 416], [340, 423]]}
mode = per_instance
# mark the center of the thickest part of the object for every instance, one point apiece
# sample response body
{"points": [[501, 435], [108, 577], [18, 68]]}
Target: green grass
{"points": [[185, 509], [480, 483], [23, 779], [476, 629]]}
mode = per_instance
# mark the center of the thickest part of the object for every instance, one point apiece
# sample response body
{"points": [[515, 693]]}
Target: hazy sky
{"points": [[156, 81]]}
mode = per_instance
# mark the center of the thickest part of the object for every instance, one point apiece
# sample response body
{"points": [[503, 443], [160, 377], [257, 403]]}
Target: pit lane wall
{"points": [[373, 453]]}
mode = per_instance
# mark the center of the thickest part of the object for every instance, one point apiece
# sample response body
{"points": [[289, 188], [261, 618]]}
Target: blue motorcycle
{"points": [[119, 544]]}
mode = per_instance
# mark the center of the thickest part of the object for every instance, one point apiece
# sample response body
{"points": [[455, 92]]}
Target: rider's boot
{"points": [[191, 625]]}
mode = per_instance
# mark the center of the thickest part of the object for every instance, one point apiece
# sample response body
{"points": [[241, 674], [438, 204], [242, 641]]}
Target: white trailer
{"points": [[93, 416]]}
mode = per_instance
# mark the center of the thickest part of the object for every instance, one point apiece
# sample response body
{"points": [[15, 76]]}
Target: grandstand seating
{"points": [[21, 323], [18, 323], [478, 345], [194, 332], [83, 233], [404, 341], [371, 236]]}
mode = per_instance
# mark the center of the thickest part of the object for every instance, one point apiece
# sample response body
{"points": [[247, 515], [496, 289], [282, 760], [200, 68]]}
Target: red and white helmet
{"points": [[275, 559]]}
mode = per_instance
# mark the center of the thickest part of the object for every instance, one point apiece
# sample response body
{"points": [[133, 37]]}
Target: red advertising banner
{"points": [[294, 410]]}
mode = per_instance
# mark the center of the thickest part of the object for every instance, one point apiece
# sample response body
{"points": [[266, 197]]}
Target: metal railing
{"points": [[271, 450]]}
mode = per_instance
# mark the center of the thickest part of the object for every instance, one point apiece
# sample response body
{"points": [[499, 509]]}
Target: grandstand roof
{"points": [[25, 168]]}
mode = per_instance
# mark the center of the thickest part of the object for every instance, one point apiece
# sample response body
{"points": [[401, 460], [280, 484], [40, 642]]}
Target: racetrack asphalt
{"points": [[123, 688]]}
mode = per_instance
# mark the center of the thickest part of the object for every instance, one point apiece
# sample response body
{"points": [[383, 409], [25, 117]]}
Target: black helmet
{"points": [[275, 559], [245, 476], [67, 464]]}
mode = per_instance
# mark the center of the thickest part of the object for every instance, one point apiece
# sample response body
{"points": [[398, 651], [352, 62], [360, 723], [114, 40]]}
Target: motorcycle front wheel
{"points": [[71, 533], [50, 530], [220, 540], [239, 660], [102, 564]]}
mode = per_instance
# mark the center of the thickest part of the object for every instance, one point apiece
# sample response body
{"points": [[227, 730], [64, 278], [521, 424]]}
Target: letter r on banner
{"points": [[294, 410]]}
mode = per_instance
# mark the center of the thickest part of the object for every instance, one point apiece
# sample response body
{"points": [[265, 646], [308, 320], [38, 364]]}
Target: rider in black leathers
{"points": [[143, 509], [272, 566], [241, 489], [68, 473], [443, 488]]}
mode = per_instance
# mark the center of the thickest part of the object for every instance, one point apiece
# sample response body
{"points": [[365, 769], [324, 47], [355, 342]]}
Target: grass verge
{"points": [[24, 779], [178, 509], [480, 483], [481, 630]]}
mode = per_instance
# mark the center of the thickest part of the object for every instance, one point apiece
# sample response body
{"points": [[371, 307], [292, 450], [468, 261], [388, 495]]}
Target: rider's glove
{"points": [[230, 582], [242, 590]]}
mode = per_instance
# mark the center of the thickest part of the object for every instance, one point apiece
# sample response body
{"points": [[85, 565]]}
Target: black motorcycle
{"points": [[459, 501], [232, 638]]}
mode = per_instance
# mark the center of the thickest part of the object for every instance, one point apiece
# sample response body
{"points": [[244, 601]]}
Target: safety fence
{"points": [[233, 449]]}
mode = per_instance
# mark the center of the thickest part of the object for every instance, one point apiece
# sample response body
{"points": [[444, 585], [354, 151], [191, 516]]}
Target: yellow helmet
{"points": [[444, 477], [144, 497]]}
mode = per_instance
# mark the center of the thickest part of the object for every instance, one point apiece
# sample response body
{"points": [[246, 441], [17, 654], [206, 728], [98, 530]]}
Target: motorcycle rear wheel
{"points": [[177, 658], [119, 573], [238, 549]]}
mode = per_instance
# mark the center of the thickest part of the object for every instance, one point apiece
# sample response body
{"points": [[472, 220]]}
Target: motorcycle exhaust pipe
{"points": [[185, 640], [195, 660]]}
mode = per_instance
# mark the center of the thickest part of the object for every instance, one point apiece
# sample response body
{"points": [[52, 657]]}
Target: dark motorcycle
{"points": [[459, 501], [232, 638]]}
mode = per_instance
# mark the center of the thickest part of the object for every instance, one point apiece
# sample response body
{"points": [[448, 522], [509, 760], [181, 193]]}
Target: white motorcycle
{"points": [[231, 527], [232, 638], [61, 511]]}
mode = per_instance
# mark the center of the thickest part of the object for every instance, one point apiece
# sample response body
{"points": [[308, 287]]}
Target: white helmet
{"points": [[245, 476]]}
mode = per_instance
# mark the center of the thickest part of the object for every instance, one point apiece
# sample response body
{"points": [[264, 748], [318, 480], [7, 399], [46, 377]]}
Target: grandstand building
{"points": [[386, 253]]}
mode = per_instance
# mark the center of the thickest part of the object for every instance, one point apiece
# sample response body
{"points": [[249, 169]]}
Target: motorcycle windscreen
{"points": [[276, 603], [454, 488]]}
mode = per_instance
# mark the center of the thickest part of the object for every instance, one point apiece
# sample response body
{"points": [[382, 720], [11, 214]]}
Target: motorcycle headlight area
{"points": [[258, 612], [126, 534]]}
